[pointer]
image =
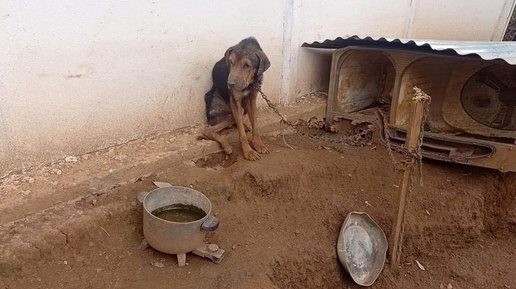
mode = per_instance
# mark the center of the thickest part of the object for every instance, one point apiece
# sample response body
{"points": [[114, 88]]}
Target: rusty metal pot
{"points": [[175, 237]]}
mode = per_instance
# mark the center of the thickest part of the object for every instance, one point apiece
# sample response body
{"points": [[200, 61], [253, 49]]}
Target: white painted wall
{"points": [[424, 19], [76, 76]]}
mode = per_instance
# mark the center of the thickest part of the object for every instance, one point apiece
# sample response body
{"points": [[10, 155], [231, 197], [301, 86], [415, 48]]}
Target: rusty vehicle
{"points": [[472, 117]]}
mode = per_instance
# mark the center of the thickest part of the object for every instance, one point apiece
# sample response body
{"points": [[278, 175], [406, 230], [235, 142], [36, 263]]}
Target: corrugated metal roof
{"points": [[488, 50]]}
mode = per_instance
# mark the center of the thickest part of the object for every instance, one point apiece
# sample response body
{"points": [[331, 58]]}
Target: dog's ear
{"points": [[226, 55], [263, 63]]}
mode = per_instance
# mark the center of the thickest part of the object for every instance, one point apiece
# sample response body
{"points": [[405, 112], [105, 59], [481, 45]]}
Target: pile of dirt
{"points": [[280, 219]]}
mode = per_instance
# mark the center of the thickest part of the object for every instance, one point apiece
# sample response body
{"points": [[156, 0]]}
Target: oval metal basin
{"points": [[362, 248]]}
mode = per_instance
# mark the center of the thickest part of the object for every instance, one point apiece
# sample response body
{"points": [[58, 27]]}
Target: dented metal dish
{"points": [[362, 248]]}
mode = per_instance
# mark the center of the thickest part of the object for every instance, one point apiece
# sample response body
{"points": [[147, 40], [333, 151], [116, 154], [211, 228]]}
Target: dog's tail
{"points": [[208, 98]]}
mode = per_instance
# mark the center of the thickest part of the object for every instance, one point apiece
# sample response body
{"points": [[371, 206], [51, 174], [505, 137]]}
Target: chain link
{"points": [[274, 108], [409, 156], [412, 155]]}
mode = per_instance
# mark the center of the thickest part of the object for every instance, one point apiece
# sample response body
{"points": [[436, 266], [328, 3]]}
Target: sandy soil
{"points": [[280, 219]]}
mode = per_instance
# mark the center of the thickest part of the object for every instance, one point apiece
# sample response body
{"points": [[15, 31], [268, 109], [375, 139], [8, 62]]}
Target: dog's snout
{"points": [[231, 81]]}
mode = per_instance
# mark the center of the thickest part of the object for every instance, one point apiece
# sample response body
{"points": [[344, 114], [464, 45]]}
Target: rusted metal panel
{"points": [[472, 117], [487, 50]]}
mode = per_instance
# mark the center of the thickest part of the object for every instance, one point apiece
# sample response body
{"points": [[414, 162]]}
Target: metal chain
{"points": [[274, 108], [386, 136], [309, 124], [409, 156]]}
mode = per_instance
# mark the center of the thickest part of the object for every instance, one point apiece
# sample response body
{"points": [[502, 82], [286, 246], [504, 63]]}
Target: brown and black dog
{"points": [[237, 78]]}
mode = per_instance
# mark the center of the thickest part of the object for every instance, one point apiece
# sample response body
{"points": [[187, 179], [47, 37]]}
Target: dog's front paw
{"points": [[260, 147], [251, 155]]}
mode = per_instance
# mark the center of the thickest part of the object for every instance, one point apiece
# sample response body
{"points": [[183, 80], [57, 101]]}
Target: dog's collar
{"points": [[255, 86]]}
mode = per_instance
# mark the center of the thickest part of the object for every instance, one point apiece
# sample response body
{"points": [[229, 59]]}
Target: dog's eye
{"points": [[246, 65]]}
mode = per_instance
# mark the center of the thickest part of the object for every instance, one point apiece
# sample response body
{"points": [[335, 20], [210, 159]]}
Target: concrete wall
{"points": [[76, 76], [423, 19]]}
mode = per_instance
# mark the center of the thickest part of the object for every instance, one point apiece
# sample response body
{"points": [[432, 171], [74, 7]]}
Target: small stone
{"points": [[144, 245], [158, 264], [212, 248], [97, 193], [93, 202], [65, 262], [58, 172], [449, 286], [71, 159], [91, 244], [234, 247]]}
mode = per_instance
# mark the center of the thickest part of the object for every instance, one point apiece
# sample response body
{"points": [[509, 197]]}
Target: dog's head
{"points": [[246, 61]]}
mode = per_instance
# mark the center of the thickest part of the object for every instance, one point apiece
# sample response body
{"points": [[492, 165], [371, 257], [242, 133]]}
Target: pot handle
{"points": [[211, 224], [141, 196]]}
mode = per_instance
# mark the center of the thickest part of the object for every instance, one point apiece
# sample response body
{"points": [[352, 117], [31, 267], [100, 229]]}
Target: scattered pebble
{"points": [[158, 264], [144, 245], [449, 286], [65, 262], [420, 265], [234, 247], [71, 159]]}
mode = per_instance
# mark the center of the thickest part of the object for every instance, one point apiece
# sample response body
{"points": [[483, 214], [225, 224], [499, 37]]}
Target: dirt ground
{"points": [[280, 217]]}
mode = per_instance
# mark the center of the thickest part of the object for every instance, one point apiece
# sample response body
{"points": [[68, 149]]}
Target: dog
{"points": [[237, 78]]}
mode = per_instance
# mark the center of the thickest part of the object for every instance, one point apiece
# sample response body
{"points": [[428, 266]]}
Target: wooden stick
{"points": [[421, 100]]}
